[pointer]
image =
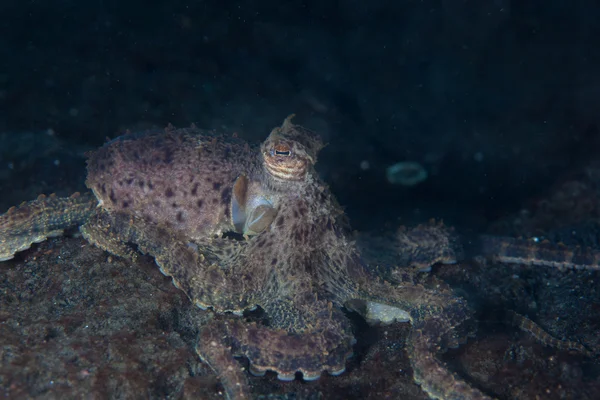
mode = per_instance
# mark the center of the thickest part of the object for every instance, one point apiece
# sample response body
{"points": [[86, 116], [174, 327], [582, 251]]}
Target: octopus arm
{"points": [[435, 316], [37, 220], [538, 253], [323, 343], [429, 372], [215, 351], [204, 269]]}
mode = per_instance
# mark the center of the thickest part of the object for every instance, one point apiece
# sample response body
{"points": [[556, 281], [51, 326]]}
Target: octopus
{"points": [[240, 228]]}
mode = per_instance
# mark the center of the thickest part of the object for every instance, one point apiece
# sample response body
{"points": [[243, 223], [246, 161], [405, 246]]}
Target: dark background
{"points": [[496, 99]]}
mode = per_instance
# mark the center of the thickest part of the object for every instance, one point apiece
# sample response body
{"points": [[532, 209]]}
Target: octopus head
{"points": [[290, 151]]}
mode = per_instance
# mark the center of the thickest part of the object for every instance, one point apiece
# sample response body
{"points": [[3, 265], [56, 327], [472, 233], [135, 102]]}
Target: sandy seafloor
{"points": [[498, 101]]}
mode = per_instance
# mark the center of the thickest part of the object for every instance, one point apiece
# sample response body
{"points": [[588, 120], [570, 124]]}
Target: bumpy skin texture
{"points": [[172, 194], [37, 220]]}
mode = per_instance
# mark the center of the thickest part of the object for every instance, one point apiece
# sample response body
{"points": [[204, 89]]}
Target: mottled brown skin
{"points": [[301, 270], [172, 194], [183, 178]]}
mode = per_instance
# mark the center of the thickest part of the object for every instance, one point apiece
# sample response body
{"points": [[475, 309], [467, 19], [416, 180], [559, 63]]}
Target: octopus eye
{"points": [[281, 150], [284, 163]]}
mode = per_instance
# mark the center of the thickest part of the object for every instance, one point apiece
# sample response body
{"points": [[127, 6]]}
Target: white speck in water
{"points": [[364, 165]]}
